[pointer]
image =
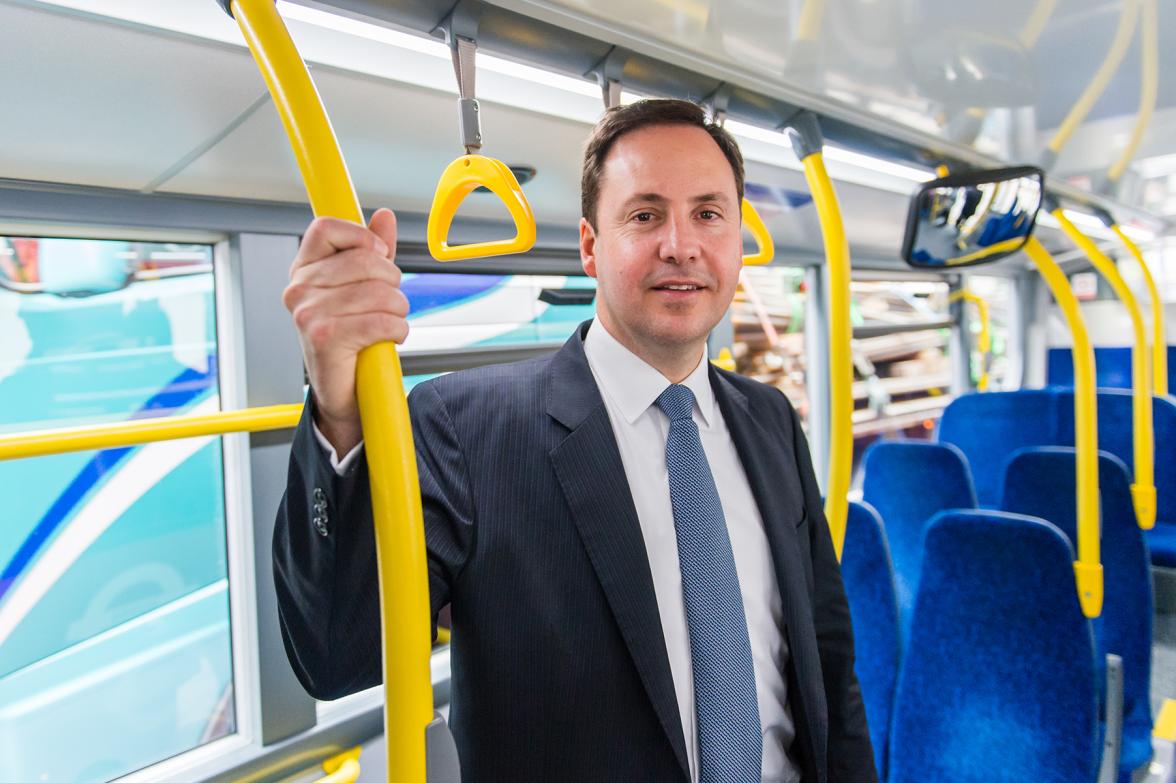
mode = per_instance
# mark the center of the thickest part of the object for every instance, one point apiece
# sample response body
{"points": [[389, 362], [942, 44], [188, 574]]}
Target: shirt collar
{"points": [[632, 384]]}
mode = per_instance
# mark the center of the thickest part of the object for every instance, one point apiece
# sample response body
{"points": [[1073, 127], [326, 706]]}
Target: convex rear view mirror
{"points": [[975, 217]]}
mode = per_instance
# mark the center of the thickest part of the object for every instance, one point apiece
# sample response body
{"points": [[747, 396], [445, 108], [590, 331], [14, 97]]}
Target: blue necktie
{"points": [[729, 745]]}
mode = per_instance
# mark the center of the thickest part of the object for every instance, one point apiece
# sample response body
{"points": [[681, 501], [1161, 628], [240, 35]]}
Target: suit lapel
{"points": [[589, 469]]}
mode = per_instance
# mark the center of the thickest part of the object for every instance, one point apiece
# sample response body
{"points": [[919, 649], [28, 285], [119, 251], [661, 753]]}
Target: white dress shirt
{"points": [[629, 388]]}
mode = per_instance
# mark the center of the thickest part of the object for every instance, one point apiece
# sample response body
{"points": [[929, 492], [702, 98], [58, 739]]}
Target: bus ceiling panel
{"points": [[397, 138], [95, 102], [858, 75]]}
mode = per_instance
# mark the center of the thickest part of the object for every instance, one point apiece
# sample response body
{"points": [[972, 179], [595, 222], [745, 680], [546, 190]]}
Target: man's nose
{"points": [[680, 240]]}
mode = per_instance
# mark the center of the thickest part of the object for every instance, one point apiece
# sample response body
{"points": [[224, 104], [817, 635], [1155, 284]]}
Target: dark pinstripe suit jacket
{"points": [[560, 670]]}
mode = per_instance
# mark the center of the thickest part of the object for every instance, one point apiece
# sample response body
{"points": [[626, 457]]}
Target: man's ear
{"points": [[587, 247]]}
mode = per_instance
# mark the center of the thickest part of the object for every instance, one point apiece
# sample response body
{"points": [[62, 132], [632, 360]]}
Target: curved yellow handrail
{"points": [[1088, 570], [396, 504], [1159, 331], [763, 238], [460, 179], [133, 433], [1143, 490], [984, 339], [1035, 25], [840, 361], [995, 249], [343, 768], [1148, 89], [1101, 77]]}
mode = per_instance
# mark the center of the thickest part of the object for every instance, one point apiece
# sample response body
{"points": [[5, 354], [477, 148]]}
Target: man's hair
{"points": [[620, 120]]}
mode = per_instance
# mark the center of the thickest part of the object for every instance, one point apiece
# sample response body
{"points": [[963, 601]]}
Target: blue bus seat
{"points": [[998, 681], [1112, 367], [1040, 482], [987, 427], [869, 587], [909, 482]]}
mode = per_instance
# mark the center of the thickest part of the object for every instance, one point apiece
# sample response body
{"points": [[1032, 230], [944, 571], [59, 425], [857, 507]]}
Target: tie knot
{"points": [[677, 402]]}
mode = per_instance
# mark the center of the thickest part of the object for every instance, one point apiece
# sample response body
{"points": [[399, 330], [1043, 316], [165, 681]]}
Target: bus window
{"points": [[1001, 296], [901, 372], [768, 317], [114, 610]]}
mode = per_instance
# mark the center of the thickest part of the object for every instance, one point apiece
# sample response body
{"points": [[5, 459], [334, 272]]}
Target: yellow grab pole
{"points": [[396, 504], [1143, 490], [1159, 366], [840, 361], [134, 433], [1088, 570], [984, 340], [1148, 89], [1090, 96]]}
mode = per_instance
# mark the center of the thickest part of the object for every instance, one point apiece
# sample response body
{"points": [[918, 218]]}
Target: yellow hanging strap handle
{"points": [[1159, 331], [471, 170], [1148, 89], [984, 339], [1143, 490], [806, 140], [763, 238], [1088, 570], [396, 504]]}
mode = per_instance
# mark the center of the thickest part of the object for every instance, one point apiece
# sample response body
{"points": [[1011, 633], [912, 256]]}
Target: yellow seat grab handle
{"points": [[460, 179], [1143, 486], [763, 238], [1088, 570]]}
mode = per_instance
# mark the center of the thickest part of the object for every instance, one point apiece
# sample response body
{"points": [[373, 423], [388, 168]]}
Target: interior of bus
{"points": [[960, 258]]}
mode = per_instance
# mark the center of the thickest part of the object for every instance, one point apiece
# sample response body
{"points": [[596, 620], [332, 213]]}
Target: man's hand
{"points": [[345, 295]]}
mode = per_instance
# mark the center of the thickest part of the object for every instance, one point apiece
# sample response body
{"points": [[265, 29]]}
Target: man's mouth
{"points": [[678, 287]]}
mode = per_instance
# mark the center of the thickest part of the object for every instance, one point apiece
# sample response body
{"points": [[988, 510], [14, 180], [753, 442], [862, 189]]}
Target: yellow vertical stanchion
{"points": [[806, 140], [984, 340], [1159, 367], [1143, 489], [1088, 571], [396, 506]]}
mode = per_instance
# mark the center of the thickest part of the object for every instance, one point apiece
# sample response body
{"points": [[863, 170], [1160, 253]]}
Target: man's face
{"points": [[666, 250]]}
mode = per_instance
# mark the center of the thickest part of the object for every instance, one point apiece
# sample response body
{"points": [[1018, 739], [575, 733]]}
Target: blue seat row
{"points": [[910, 482], [989, 427], [1112, 367]]}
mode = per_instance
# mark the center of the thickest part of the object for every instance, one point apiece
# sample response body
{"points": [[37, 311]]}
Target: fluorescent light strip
{"points": [[833, 153], [433, 48]]}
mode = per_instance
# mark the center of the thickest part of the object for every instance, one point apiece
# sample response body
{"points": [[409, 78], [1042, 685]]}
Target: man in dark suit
{"points": [[642, 582]]}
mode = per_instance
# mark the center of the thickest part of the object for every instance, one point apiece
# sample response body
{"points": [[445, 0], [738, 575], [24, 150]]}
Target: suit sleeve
{"points": [[324, 549], [850, 754]]}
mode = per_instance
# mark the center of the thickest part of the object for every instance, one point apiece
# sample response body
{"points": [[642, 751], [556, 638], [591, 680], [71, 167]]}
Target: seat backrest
{"points": [[987, 427], [1040, 482], [998, 678], [869, 587], [908, 482], [1112, 367]]}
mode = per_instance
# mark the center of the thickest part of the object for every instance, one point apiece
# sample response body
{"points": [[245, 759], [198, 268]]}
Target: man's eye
{"points": [[708, 214], [643, 217]]}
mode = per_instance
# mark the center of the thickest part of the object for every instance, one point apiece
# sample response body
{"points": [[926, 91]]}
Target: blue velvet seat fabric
{"points": [[869, 587], [998, 683], [1040, 482], [908, 482]]}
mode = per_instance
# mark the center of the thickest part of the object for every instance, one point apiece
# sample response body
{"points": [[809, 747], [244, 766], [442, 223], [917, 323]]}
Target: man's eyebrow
{"points": [[657, 198]]}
